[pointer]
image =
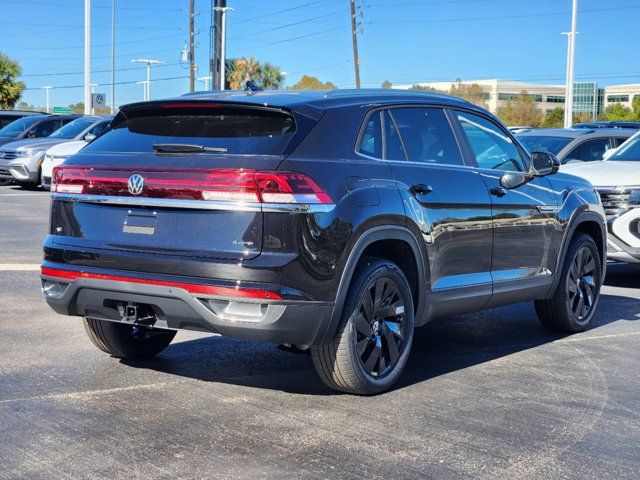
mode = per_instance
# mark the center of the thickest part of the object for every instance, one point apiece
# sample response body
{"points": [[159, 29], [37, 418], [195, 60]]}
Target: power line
{"points": [[79, 5], [150, 39], [65, 87], [502, 17], [94, 71], [287, 25]]}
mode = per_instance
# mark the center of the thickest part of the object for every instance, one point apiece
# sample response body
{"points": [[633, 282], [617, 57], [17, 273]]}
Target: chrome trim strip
{"points": [[548, 208], [194, 204]]}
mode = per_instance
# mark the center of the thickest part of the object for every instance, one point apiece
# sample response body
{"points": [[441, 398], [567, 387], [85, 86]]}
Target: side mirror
{"points": [[608, 153], [544, 163], [511, 180], [89, 137]]}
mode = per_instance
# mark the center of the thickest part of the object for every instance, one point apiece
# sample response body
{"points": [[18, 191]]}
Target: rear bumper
{"points": [[174, 307]]}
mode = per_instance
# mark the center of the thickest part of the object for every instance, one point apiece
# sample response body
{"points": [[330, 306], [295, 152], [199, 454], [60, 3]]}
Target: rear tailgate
{"points": [[120, 194]]}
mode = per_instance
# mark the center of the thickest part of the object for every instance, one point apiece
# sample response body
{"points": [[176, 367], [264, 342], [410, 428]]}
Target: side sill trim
{"points": [[194, 204]]}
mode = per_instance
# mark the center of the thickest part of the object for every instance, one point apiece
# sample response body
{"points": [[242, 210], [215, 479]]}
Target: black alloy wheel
{"points": [[581, 284], [380, 327]]}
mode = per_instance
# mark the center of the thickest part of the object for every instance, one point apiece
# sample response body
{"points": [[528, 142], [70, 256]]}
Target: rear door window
{"points": [[427, 136], [227, 129]]}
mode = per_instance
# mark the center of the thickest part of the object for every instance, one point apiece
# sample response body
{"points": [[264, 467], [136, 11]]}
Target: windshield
{"points": [[73, 129], [540, 143], [249, 131], [629, 152], [18, 126]]}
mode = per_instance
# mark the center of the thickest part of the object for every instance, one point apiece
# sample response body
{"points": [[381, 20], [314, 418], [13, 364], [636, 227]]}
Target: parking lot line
{"points": [[25, 194], [19, 267]]}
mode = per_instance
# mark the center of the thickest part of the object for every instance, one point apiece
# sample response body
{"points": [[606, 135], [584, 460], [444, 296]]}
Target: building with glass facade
{"points": [[587, 96]]}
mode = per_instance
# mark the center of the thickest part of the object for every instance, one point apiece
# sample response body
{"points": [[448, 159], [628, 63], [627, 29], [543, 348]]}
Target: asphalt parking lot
{"points": [[486, 395]]}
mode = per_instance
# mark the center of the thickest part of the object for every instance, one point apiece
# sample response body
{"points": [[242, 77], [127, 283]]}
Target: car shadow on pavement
{"points": [[623, 275], [439, 348]]}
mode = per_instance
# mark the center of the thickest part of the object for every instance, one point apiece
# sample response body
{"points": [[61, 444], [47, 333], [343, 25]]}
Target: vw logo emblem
{"points": [[2, 154], [135, 184]]}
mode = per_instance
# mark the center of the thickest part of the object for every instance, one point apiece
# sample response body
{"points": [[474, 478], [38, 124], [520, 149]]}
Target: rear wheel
{"points": [[127, 341], [573, 305], [371, 346]]}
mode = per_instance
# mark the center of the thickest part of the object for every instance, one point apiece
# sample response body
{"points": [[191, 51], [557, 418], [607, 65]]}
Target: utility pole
{"points": [[87, 57], [47, 90], [571, 56], [215, 35], [113, 57], [354, 33], [192, 47]]}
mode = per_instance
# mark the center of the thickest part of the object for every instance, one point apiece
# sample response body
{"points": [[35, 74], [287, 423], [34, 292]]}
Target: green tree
{"points": [[308, 82], [555, 118], [10, 88], [522, 110], [270, 77], [472, 93], [386, 84], [617, 111], [635, 106], [77, 108], [425, 89], [24, 106]]}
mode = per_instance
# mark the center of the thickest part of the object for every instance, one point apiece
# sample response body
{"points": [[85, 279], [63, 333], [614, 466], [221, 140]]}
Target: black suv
{"points": [[334, 222]]}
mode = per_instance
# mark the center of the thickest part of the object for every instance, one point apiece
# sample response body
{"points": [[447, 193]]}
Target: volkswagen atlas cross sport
{"points": [[334, 222]]}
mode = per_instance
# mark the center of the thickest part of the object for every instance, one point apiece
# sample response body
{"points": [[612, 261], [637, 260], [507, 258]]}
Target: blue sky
{"points": [[404, 41]]}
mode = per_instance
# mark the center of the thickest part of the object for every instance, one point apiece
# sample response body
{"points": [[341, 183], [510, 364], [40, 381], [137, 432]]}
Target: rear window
{"points": [[232, 130]]}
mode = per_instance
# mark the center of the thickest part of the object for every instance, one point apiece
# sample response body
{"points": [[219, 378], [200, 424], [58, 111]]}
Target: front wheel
{"points": [[574, 303], [127, 341], [371, 346]]}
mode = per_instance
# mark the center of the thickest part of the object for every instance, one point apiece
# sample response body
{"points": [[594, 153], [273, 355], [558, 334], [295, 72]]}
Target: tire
{"points": [[573, 306], [127, 341], [5, 181], [377, 321]]}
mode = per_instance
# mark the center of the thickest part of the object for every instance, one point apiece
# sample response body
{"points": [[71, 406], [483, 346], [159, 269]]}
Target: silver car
{"points": [[21, 160]]}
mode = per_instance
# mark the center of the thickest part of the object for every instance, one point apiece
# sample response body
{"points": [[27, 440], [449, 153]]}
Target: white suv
{"points": [[617, 180]]}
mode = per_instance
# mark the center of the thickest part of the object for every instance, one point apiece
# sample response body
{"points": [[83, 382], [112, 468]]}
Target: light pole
{"points": [[223, 45], [206, 81], [571, 56], [149, 62], [113, 57], [47, 89], [284, 75], [144, 88], [87, 56]]}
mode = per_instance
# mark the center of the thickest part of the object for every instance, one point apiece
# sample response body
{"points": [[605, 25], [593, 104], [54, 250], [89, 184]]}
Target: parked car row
{"points": [[25, 143]]}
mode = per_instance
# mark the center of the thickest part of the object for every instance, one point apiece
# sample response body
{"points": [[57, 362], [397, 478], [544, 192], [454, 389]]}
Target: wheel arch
{"points": [[373, 241], [592, 224]]}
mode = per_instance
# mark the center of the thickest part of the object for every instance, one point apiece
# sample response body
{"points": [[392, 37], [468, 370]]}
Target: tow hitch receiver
{"points": [[136, 313]]}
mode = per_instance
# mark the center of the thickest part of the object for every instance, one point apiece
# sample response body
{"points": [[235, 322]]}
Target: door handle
{"points": [[421, 189], [498, 191]]}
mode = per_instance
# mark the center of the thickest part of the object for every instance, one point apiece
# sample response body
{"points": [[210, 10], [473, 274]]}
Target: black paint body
{"points": [[462, 248]]}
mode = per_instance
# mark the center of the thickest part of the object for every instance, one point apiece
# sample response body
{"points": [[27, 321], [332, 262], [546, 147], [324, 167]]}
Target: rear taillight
{"points": [[226, 185]]}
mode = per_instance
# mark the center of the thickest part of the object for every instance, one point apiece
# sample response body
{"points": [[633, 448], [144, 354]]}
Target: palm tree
{"points": [[272, 77], [240, 70], [10, 89]]}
